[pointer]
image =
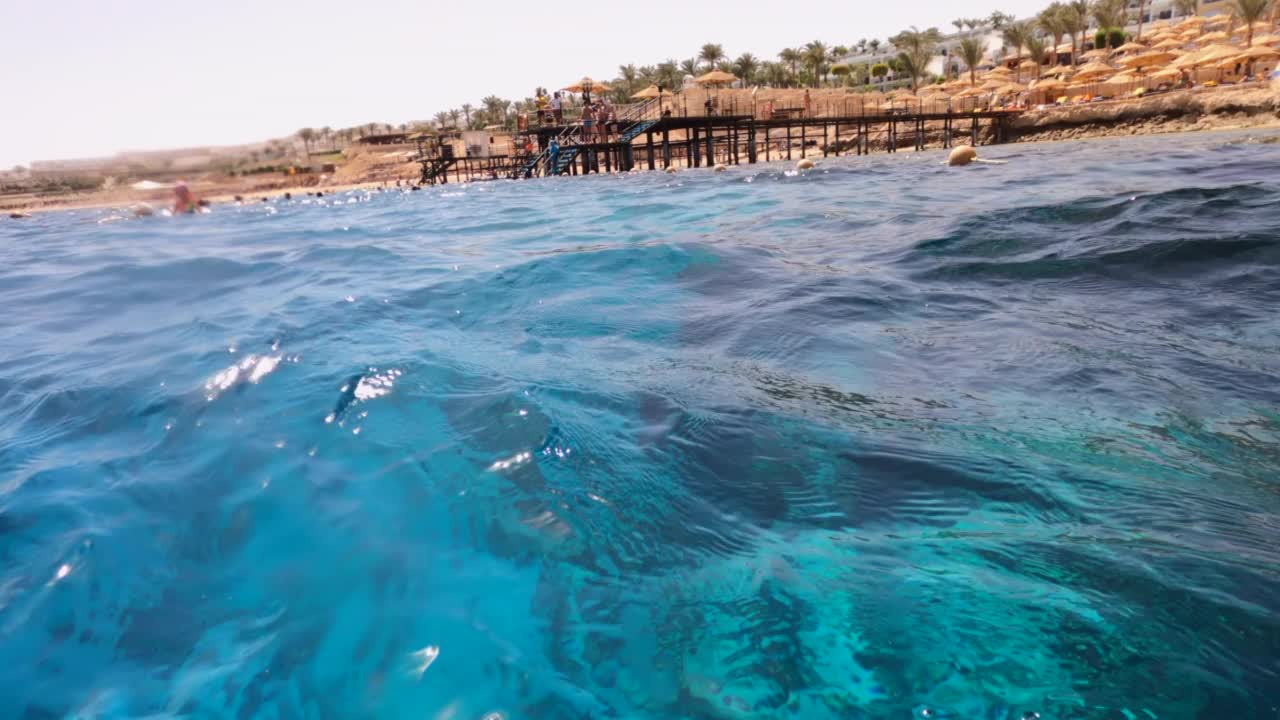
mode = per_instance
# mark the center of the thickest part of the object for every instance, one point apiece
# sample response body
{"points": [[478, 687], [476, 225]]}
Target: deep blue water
{"points": [[883, 440]]}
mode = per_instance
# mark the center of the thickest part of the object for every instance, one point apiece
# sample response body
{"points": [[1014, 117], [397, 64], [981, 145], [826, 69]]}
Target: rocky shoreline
{"points": [[1181, 111]]}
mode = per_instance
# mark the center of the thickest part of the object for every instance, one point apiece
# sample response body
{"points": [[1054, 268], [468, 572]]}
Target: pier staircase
{"points": [[436, 169], [634, 131], [636, 119]]}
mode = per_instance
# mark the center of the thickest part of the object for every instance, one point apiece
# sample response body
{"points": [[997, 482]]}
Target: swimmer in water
{"points": [[184, 201]]}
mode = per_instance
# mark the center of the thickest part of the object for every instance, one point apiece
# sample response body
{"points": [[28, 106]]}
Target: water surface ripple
{"points": [[882, 440]]}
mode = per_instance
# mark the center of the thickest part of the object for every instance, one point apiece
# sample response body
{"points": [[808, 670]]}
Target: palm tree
{"points": [[959, 24], [745, 67], [667, 75], [999, 19], [1072, 25], [916, 49], [1250, 11], [1036, 51], [775, 74], [306, 135], [454, 115], [1077, 16], [467, 109], [1015, 36], [1141, 12], [815, 56], [792, 58], [1187, 8], [1051, 21], [442, 119], [874, 45], [971, 50], [690, 66], [630, 76], [1110, 13], [711, 54]]}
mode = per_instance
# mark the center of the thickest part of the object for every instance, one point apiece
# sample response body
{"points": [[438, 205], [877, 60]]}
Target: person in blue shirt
{"points": [[553, 155]]}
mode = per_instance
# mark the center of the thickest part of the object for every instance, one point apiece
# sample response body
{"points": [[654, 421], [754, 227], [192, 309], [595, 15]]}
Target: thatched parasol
{"points": [[1167, 44], [1129, 47], [1092, 71], [1155, 57], [1268, 39], [717, 77], [586, 84], [1218, 36], [1258, 26], [1257, 52], [1094, 54], [648, 93]]}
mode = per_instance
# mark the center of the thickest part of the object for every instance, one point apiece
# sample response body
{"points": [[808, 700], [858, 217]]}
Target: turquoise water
{"points": [[882, 440]]}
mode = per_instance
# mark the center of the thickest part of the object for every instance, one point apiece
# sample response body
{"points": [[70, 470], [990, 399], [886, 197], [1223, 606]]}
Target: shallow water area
{"points": [[883, 439]]}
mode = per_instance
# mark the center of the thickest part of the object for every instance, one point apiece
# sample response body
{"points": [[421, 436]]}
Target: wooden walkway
{"points": [[731, 139]]}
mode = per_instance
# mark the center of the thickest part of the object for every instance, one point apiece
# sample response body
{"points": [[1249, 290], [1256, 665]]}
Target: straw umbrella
{"points": [[1254, 54], [1258, 27], [1167, 44], [1093, 71], [648, 93], [1129, 47], [1218, 21], [1218, 36], [586, 86], [1095, 54], [1155, 57], [716, 78], [1217, 53], [1268, 39]]}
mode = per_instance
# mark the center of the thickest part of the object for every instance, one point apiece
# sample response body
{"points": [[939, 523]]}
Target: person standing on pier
{"points": [[557, 108]]}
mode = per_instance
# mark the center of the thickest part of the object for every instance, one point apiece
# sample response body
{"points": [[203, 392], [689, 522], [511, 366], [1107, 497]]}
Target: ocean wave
{"points": [[882, 439]]}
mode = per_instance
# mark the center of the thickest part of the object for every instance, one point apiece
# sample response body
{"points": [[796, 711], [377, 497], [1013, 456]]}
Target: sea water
{"points": [[884, 439]]}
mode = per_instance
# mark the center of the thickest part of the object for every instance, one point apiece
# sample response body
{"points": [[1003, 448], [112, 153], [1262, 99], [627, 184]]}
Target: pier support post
{"points": [[649, 147], [751, 143], [788, 141], [666, 148], [711, 148]]}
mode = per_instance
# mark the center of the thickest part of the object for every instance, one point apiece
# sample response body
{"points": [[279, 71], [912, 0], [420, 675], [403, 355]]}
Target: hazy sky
{"points": [[91, 77]]}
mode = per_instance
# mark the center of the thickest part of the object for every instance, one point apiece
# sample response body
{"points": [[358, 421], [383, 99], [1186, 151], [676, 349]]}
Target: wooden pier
{"points": [[658, 143]]}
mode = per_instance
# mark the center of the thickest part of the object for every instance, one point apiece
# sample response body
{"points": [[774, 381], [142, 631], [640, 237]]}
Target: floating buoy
{"points": [[719, 167], [805, 164], [962, 155], [19, 215]]}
